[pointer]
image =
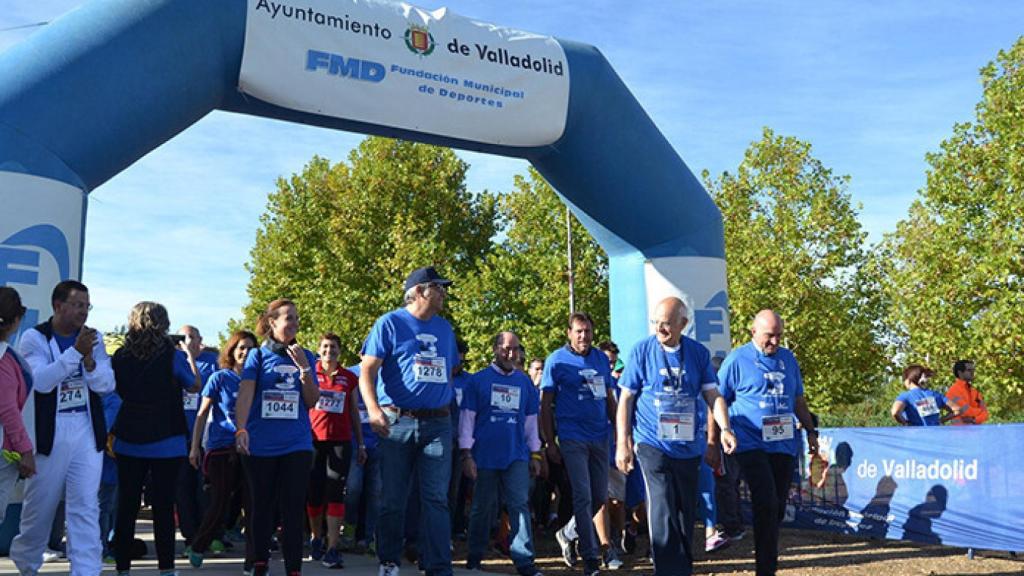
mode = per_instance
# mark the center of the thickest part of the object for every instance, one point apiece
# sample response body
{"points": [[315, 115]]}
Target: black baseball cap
{"points": [[425, 275]]}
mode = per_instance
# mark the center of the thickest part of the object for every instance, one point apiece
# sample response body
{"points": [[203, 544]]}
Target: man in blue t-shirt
{"points": [[666, 375], [414, 351], [762, 384], [188, 497], [919, 406], [577, 404], [501, 447]]}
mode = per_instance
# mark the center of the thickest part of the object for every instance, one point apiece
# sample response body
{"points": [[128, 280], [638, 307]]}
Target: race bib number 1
{"points": [[280, 405], [776, 428], [675, 427], [430, 369]]}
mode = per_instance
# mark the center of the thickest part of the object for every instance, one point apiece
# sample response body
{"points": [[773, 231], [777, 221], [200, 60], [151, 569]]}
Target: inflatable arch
{"points": [[103, 85]]}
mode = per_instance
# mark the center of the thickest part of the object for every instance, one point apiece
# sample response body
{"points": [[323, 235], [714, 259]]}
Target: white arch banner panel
{"points": [[400, 66]]}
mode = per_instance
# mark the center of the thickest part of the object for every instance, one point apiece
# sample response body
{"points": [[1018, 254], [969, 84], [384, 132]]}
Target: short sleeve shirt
{"points": [[222, 390], [279, 418], [418, 358], [581, 384], [668, 384], [331, 418], [761, 391], [922, 407], [501, 402]]}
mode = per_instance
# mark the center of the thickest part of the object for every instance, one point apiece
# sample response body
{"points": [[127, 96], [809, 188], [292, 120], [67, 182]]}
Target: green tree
{"points": [[340, 239], [794, 244], [522, 284], [954, 268]]}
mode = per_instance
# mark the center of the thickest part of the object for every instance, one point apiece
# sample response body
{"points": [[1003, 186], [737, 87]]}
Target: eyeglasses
{"points": [[79, 305], [436, 286]]}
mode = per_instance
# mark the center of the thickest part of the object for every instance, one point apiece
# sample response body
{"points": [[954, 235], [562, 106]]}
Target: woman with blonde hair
{"points": [[150, 430], [274, 435]]}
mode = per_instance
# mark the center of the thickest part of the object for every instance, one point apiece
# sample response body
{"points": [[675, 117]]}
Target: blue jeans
{"points": [[586, 464], [108, 514], [362, 496], [514, 483], [423, 446], [671, 507]]}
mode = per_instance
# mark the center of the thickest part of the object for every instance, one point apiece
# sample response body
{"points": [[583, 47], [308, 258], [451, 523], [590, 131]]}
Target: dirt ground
{"points": [[805, 553]]}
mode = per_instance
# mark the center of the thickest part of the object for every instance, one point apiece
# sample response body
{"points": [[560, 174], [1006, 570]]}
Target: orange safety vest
{"points": [[960, 394]]}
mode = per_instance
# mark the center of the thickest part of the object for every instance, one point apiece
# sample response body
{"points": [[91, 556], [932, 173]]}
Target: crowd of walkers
{"points": [[275, 447]]}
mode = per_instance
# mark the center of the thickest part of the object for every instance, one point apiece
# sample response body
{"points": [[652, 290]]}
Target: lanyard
{"points": [[675, 381]]}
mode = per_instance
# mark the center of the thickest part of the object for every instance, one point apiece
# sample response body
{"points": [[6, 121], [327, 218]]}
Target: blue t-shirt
{"points": [[369, 436], [73, 387], [581, 385], [222, 390], [111, 406], [207, 364], [418, 360], [502, 403], [668, 384], [761, 392], [175, 446], [923, 407], [279, 418]]}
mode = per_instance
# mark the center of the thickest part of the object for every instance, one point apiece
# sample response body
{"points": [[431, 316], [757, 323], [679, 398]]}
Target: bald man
{"points": [[664, 376], [761, 381]]}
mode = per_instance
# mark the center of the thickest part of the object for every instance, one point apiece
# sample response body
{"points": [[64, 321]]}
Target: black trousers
{"points": [[329, 477], [224, 473], [727, 496], [278, 482], [671, 508], [131, 474], [768, 476]]}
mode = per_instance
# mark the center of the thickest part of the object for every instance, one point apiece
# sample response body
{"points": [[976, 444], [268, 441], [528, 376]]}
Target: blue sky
{"points": [[873, 86]]}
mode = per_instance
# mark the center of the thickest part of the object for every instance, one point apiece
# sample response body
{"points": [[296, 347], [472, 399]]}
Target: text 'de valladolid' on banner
{"points": [[404, 67]]}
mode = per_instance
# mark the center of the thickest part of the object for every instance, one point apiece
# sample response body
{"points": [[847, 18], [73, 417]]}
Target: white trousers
{"points": [[76, 466]]}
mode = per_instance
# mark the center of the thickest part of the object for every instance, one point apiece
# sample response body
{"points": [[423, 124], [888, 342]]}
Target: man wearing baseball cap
{"points": [[414, 351]]}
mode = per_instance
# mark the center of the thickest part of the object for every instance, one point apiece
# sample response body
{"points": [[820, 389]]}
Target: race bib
{"points": [[926, 407], [71, 395], [191, 401], [675, 426], [331, 401], [597, 387], [676, 417], [776, 428], [433, 369], [280, 405], [505, 398]]}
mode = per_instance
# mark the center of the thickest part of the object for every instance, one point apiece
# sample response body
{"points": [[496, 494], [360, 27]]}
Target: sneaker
{"points": [[194, 558], [568, 553], [51, 555], [591, 568], [388, 569], [108, 559], [234, 535], [316, 549], [260, 569], [611, 559], [218, 547], [737, 536], [717, 541], [332, 559]]}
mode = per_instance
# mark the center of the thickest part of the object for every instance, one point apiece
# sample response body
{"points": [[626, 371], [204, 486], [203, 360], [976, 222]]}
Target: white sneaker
{"points": [[388, 569], [50, 555]]}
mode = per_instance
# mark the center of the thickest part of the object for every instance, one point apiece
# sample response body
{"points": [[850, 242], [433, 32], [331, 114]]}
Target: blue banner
{"points": [[954, 485]]}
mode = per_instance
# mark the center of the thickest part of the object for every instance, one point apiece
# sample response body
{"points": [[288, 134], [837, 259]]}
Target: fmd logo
{"points": [[22, 264], [710, 320], [338, 65]]}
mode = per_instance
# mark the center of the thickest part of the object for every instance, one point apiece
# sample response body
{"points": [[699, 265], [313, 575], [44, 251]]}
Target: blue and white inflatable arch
{"points": [[103, 85]]}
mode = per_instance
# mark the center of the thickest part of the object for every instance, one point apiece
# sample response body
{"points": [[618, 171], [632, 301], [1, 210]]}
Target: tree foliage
{"points": [[953, 271], [340, 239], [522, 284], [794, 244]]}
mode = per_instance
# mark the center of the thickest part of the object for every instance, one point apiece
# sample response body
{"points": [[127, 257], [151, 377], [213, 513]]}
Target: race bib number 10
{"points": [[505, 398]]}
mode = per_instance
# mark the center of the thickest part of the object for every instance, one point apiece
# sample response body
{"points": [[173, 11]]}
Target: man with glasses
{"points": [[578, 402], [666, 375], [414, 351], [762, 384], [70, 370]]}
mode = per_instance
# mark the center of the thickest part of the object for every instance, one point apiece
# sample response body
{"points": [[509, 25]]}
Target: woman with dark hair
{"points": [[919, 406], [15, 383], [150, 429], [333, 429], [221, 464], [274, 436]]}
